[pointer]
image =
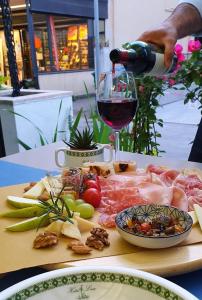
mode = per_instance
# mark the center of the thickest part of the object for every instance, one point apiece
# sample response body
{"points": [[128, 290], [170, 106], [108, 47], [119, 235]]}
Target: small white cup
{"points": [[76, 158]]}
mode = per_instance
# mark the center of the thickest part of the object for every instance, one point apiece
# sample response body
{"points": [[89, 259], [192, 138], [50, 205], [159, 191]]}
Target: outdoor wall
{"points": [[41, 108], [129, 18], [68, 82]]}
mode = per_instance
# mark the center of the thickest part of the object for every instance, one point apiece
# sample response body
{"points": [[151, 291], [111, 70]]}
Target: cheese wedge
{"points": [[35, 191], [52, 184], [71, 230], [85, 225], [198, 211], [194, 217], [55, 226]]}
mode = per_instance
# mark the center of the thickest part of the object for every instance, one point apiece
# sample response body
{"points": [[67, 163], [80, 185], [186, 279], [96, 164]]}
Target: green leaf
{"points": [[105, 135], [25, 146], [40, 132], [75, 124], [56, 128]]}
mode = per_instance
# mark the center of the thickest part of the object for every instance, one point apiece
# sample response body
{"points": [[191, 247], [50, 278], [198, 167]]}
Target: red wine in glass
{"points": [[117, 113]]}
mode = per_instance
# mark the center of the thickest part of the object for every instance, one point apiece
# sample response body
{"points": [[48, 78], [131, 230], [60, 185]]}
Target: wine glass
{"points": [[117, 101]]}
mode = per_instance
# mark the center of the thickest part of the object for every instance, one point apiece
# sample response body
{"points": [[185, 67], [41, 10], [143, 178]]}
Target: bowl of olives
{"points": [[154, 226]]}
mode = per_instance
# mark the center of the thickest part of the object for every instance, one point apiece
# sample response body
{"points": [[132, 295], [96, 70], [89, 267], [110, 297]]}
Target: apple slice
{"points": [[20, 202], [35, 191], [198, 211], [29, 224], [194, 217], [71, 230], [27, 212]]}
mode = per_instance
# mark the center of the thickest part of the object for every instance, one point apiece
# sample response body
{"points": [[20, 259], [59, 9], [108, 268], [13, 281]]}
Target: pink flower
{"points": [[180, 57], [112, 137], [178, 49], [141, 88], [171, 82], [194, 46]]}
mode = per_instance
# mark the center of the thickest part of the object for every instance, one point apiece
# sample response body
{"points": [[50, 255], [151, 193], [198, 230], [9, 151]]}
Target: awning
{"points": [[78, 8]]}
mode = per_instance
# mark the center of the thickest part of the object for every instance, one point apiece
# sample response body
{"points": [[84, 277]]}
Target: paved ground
{"points": [[180, 123]]}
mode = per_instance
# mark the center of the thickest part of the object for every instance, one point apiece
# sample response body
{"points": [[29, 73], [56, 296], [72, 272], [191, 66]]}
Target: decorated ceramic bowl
{"points": [[135, 225], [95, 283]]}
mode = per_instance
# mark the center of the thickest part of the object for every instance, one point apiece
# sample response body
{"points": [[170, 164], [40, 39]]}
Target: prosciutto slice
{"points": [[154, 193], [156, 185], [179, 199]]}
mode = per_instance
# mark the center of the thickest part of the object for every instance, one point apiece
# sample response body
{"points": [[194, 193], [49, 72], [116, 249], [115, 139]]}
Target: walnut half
{"points": [[98, 238], [46, 239], [79, 248]]}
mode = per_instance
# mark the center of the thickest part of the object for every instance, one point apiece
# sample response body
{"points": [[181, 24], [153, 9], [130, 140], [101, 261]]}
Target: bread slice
{"points": [[124, 166], [103, 169]]}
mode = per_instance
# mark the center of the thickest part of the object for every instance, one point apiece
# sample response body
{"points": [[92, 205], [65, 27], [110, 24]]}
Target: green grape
{"points": [[69, 202], [79, 201], [86, 210]]}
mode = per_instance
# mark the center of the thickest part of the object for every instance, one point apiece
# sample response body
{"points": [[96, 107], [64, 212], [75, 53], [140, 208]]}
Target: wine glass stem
{"points": [[117, 145]]}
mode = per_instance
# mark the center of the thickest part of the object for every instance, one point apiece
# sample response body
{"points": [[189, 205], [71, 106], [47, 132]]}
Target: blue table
{"points": [[15, 174]]}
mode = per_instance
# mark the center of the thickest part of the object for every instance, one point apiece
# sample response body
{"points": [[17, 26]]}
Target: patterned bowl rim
{"points": [[189, 222], [99, 148], [165, 284]]}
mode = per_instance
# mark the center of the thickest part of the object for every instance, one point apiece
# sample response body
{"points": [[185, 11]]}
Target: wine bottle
{"points": [[142, 58]]}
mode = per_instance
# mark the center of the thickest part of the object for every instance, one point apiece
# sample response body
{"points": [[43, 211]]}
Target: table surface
{"points": [[34, 164]]}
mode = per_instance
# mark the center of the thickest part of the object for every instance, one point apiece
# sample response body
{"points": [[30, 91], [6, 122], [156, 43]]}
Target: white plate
{"points": [[95, 283]]}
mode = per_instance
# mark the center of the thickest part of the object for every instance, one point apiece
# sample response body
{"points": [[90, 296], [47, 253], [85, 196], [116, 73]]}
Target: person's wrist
{"points": [[171, 31]]}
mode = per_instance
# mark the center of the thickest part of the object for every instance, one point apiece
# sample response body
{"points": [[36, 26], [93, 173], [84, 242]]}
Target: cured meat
{"points": [[107, 220], [194, 200], [195, 197], [156, 185], [168, 177], [154, 193], [179, 199], [155, 169], [188, 183]]}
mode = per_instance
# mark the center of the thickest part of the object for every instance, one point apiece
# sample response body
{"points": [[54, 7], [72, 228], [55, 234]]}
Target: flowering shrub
{"points": [[189, 71]]}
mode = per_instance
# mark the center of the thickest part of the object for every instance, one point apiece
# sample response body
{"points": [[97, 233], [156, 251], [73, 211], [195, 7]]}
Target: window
{"points": [[72, 43]]}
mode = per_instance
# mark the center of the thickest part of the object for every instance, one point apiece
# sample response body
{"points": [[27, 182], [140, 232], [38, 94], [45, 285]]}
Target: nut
{"points": [[81, 249], [27, 188], [101, 234], [74, 243], [44, 240], [44, 196], [92, 241]]}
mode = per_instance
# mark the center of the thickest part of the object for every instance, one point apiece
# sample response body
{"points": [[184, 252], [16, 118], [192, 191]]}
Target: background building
{"points": [[59, 49]]}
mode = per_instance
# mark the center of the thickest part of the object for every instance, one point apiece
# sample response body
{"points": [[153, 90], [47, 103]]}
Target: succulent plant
{"points": [[82, 140]]}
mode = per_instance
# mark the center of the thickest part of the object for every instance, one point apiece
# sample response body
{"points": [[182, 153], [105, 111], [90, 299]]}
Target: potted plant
{"points": [[81, 148]]}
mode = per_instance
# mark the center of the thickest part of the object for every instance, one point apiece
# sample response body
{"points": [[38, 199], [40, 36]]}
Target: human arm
{"points": [[185, 20]]}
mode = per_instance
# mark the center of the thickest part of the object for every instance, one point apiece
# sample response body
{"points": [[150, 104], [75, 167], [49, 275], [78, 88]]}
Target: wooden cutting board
{"points": [[16, 250]]}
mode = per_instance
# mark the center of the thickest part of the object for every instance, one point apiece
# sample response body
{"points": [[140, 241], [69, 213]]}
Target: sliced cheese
{"points": [[198, 211], [71, 230], [52, 184], [35, 191], [194, 217], [85, 225], [55, 226]]}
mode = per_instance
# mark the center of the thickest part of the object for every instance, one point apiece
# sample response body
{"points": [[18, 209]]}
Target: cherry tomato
{"points": [[145, 227], [91, 176], [92, 184], [92, 196]]}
